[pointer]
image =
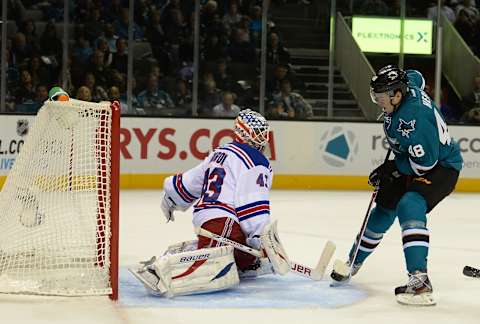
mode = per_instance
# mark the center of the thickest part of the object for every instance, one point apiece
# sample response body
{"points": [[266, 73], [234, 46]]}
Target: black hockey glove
{"points": [[384, 174]]}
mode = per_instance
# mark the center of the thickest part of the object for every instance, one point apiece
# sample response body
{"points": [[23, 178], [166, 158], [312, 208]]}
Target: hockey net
{"points": [[59, 204]]}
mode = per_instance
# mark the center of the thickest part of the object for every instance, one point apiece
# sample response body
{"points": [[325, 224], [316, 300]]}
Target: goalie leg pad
{"points": [[274, 249], [192, 272]]}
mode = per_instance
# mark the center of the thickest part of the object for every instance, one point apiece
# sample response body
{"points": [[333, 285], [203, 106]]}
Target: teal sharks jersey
{"points": [[418, 135]]}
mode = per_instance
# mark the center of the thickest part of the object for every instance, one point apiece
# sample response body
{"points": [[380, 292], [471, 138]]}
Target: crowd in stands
{"points": [[230, 40], [163, 32]]}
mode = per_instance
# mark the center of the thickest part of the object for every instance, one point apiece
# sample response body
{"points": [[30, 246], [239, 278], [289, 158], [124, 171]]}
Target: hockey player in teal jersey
{"points": [[425, 170]]}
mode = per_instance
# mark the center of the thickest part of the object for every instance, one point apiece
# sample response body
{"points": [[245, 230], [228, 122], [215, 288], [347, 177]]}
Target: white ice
{"points": [[307, 219]]}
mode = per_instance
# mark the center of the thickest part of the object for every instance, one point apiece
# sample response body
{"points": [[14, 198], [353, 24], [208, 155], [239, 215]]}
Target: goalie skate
{"points": [[149, 278], [417, 292]]}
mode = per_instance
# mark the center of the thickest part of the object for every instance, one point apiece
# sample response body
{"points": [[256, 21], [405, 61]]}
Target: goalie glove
{"points": [[168, 206]]}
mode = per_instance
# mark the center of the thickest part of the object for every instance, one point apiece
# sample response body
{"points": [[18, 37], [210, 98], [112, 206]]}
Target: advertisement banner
{"points": [[312, 150]]}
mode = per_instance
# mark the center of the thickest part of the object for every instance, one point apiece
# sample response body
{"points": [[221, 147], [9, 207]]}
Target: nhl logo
{"points": [[22, 127]]}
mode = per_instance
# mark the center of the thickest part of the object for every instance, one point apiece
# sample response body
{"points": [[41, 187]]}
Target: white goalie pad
{"points": [[190, 272], [274, 249], [182, 247]]}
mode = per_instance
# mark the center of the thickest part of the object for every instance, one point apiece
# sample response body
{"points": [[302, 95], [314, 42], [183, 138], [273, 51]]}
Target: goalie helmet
{"points": [[389, 80], [252, 128]]}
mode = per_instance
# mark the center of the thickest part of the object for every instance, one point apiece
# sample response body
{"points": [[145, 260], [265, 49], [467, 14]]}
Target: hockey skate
{"points": [[149, 278], [341, 272], [417, 291]]}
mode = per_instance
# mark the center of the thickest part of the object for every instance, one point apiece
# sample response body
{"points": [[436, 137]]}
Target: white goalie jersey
{"points": [[233, 181]]}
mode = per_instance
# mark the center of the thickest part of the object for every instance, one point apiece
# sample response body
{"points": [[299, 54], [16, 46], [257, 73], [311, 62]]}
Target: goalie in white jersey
{"points": [[230, 189]]}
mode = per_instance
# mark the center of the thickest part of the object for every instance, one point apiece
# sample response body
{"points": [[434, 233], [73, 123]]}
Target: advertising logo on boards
{"points": [[338, 146]]}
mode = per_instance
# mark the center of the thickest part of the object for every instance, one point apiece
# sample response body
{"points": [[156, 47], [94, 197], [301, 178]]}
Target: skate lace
{"points": [[418, 280]]}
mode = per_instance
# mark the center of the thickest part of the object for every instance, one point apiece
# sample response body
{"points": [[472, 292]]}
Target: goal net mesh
{"points": [[55, 204]]}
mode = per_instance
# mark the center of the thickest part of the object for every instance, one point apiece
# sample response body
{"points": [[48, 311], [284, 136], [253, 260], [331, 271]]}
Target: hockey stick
{"points": [[339, 266], [471, 272], [315, 274]]}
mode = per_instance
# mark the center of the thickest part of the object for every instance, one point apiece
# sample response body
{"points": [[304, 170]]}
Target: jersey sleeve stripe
{"points": [[253, 204], [243, 154], [252, 210], [420, 169], [261, 212], [217, 205], [239, 156], [181, 190]]}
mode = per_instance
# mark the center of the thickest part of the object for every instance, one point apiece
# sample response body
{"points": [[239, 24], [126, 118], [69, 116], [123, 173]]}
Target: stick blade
{"points": [[325, 257]]}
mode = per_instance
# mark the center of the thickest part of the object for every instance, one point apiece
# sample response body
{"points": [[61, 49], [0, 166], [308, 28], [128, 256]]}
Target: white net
{"points": [[55, 205]]}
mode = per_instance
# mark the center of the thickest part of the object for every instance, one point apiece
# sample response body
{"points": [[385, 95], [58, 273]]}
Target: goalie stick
{"points": [[471, 272], [315, 274]]}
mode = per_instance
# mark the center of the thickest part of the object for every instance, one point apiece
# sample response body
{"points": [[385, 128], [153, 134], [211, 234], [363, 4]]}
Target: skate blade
{"points": [[151, 288], [337, 284], [425, 299]]}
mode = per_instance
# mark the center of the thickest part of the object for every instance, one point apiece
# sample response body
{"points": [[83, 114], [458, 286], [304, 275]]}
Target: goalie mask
{"points": [[387, 82], [252, 128]]}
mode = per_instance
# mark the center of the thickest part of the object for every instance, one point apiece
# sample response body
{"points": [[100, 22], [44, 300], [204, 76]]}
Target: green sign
{"points": [[382, 35]]}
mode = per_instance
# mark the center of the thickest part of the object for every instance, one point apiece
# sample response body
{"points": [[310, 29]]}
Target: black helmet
{"points": [[389, 79]]}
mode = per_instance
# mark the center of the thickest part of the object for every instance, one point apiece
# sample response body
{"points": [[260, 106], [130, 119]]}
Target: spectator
{"points": [[98, 68], [182, 97], [120, 57], [38, 71], [29, 30], [97, 92], [178, 30], [223, 79], [50, 44], [288, 104], [83, 93], [449, 12], [21, 50], [466, 27], [373, 7], [114, 94], [276, 53], [41, 95], [153, 99], [471, 104], [256, 24], [232, 17], [25, 91], [226, 108], [469, 7], [213, 49], [211, 97], [94, 26], [82, 51], [241, 50], [15, 10], [280, 73], [155, 34], [102, 45], [121, 26], [111, 37]]}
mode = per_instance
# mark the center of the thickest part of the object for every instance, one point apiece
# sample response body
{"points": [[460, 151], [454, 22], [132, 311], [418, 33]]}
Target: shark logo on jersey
{"points": [[405, 128]]}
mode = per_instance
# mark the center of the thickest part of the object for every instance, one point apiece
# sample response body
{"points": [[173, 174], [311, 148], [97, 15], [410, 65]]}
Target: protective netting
{"points": [[55, 204]]}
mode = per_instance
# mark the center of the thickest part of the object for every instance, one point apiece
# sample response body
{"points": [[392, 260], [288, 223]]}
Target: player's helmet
{"points": [[388, 79], [252, 128]]}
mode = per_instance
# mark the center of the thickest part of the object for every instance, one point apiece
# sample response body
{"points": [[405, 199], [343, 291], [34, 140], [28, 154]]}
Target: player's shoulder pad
{"points": [[415, 79], [247, 154]]}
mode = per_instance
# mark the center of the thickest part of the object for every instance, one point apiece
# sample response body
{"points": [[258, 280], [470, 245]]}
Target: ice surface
{"points": [[307, 219]]}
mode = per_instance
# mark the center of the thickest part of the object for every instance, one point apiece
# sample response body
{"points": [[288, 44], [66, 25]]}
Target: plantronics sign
{"points": [[382, 35], [338, 146]]}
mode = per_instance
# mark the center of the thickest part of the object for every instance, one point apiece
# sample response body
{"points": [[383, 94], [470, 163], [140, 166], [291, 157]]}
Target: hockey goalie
{"points": [[230, 190]]}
